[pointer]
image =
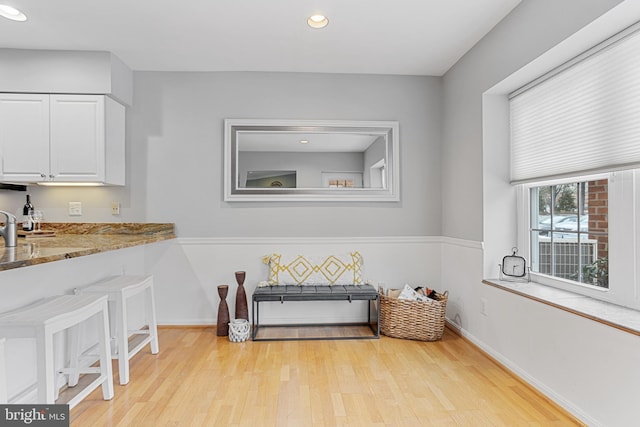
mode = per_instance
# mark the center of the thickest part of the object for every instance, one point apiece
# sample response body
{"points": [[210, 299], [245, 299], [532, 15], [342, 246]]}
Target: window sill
{"points": [[625, 319]]}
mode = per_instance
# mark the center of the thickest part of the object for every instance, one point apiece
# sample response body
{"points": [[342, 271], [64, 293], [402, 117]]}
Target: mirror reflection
{"points": [[318, 160]]}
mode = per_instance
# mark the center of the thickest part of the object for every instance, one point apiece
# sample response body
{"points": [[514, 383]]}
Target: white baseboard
{"points": [[188, 322], [524, 376]]}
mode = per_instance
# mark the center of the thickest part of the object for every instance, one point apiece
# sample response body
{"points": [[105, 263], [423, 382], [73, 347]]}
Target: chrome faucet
{"points": [[10, 230]]}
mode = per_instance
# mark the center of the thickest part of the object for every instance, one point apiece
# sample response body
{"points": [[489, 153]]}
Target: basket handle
{"points": [[445, 293]]}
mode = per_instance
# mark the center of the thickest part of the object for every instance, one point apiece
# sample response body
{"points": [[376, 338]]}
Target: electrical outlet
{"points": [[75, 208], [115, 208], [483, 306]]}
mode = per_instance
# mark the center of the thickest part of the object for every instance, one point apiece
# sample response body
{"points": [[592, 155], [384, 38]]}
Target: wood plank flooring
{"points": [[314, 332], [199, 379]]}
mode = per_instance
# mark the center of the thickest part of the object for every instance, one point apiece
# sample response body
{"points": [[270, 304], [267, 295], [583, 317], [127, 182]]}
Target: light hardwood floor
{"points": [[199, 379]]}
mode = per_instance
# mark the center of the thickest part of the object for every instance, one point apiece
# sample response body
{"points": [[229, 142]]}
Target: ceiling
{"points": [[407, 37]]}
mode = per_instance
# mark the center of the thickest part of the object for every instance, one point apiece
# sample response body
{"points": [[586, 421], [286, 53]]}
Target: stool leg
{"points": [[122, 339], [153, 325], [73, 335], [4, 398], [104, 337], [45, 368]]}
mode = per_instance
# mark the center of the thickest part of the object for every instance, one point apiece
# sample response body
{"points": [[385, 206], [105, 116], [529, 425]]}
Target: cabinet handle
{"points": [[43, 175], [51, 177]]}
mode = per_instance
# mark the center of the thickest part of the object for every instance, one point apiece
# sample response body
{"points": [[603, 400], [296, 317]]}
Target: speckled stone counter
{"points": [[80, 239]]}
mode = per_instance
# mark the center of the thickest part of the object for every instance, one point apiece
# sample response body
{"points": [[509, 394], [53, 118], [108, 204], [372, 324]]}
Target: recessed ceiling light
{"points": [[317, 21], [12, 13], [304, 141]]}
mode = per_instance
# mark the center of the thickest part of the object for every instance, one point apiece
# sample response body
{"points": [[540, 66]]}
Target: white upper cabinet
{"points": [[77, 138], [24, 137], [81, 138]]}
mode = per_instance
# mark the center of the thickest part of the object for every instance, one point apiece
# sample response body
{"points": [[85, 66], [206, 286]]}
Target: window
{"points": [[583, 235], [569, 231], [574, 149]]}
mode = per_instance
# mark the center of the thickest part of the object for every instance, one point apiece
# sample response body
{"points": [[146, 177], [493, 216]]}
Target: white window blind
{"points": [[582, 119]]}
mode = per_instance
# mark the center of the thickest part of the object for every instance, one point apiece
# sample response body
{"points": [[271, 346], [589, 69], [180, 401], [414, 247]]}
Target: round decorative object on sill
{"points": [[513, 266]]}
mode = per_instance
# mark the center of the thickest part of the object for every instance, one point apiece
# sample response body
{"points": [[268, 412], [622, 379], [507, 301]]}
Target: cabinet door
{"points": [[24, 137], [77, 138]]}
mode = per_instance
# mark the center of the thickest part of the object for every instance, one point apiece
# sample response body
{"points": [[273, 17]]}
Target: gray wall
{"points": [[531, 29], [175, 174], [375, 153], [552, 349], [309, 166], [177, 139]]}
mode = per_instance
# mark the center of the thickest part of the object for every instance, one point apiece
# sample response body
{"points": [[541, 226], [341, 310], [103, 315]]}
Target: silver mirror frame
{"points": [[233, 192]]}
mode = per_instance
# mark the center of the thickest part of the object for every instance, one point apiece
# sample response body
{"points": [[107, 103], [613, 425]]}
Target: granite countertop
{"points": [[80, 239]]}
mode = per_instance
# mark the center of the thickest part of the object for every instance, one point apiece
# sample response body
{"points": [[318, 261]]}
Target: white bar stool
{"points": [[119, 289], [3, 375], [44, 319]]}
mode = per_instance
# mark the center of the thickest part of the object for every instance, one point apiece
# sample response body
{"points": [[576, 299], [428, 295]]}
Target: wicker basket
{"points": [[413, 320]]}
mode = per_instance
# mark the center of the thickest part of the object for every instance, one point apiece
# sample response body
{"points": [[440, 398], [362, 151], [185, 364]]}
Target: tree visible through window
{"points": [[569, 231]]}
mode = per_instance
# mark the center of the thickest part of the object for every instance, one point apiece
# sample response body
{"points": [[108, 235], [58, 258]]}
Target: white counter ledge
{"points": [[613, 315]]}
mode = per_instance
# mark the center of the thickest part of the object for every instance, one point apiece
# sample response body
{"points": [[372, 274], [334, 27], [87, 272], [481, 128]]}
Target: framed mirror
{"points": [[284, 160]]}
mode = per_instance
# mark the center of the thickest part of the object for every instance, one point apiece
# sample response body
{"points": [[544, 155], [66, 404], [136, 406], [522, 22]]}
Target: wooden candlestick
{"points": [[242, 311], [222, 329]]}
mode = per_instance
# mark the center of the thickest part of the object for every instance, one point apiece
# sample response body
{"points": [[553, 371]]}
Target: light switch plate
{"points": [[75, 208]]}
